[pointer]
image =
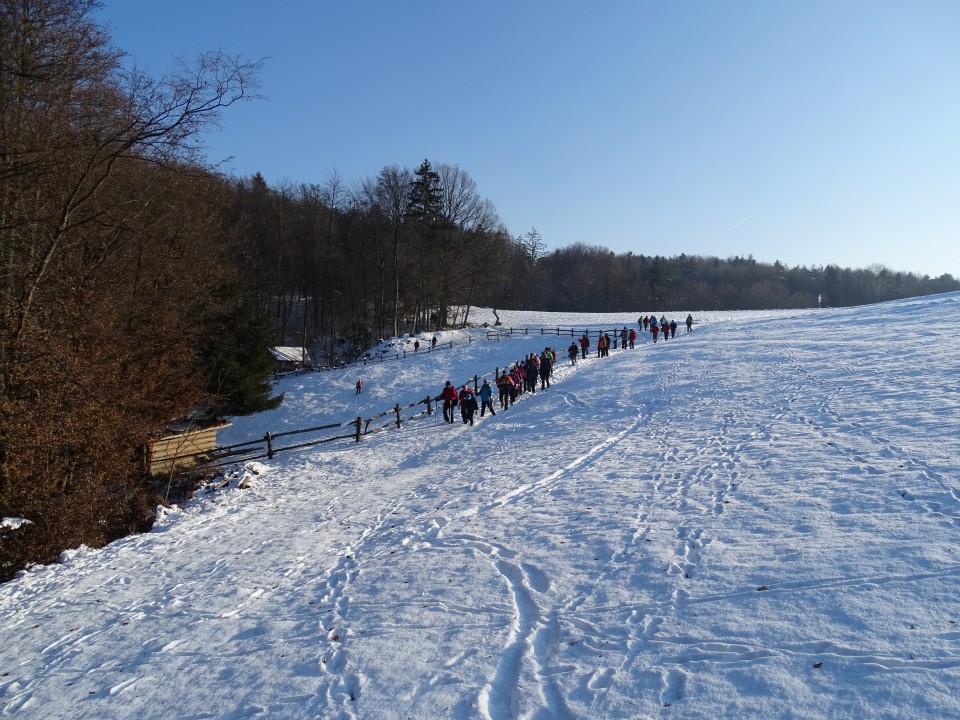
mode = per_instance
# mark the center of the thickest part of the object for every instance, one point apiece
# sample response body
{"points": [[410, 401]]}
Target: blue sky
{"points": [[814, 133]]}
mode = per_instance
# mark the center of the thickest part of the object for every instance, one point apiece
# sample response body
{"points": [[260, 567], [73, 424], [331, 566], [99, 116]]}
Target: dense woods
{"points": [[139, 286], [113, 270], [417, 249]]}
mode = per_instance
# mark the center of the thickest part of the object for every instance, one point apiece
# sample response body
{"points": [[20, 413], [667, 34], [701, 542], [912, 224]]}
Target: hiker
{"points": [[517, 388], [416, 346], [470, 406], [359, 385], [689, 323], [584, 345], [531, 369], [601, 345], [632, 337], [545, 366], [606, 348], [572, 353], [653, 331], [552, 354], [486, 398], [673, 328], [449, 397], [433, 343], [503, 385], [519, 377], [623, 338], [646, 323]]}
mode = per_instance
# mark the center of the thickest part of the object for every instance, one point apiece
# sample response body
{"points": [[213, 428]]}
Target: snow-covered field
{"points": [[758, 519]]}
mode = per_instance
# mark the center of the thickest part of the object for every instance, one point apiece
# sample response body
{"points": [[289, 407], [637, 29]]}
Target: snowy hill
{"points": [[760, 518]]}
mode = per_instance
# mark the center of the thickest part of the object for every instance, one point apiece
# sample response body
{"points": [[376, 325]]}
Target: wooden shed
{"points": [[183, 448], [289, 359]]}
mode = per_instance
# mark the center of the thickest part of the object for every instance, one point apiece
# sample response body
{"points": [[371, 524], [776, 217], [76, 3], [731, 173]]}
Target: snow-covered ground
{"points": [[758, 519]]}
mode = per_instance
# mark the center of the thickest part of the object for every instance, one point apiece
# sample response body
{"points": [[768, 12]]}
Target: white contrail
{"points": [[732, 227]]}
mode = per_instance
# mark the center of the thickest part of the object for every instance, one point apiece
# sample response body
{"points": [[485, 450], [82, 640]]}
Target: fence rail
{"points": [[267, 447]]}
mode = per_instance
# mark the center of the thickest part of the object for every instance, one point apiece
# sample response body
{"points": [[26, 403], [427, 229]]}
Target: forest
{"points": [[139, 285], [415, 250]]}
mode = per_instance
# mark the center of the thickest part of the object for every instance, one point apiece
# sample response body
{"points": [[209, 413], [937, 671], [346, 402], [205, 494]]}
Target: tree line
{"points": [[416, 250], [139, 285]]}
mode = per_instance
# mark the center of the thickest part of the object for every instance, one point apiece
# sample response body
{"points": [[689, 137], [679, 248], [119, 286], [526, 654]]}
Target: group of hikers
{"points": [[525, 373], [510, 385], [667, 329]]}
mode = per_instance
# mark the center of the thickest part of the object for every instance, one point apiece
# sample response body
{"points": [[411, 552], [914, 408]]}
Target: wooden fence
{"points": [[272, 443], [275, 442], [502, 333]]}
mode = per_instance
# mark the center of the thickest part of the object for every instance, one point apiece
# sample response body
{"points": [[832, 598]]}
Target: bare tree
{"points": [[108, 222]]}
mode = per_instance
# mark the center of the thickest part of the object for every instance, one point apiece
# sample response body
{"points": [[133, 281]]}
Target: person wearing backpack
{"points": [[545, 366], [572, 352], [503, 385], [584, 345], [486, 398], [449, 397]]}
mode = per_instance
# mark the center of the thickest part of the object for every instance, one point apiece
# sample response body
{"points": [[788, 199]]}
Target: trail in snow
{"points": [[758, 515]]}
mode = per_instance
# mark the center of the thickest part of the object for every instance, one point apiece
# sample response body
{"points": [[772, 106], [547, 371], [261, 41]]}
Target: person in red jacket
{"points": [[633, 337], [449, 397], [654, 330], [584, 345]]}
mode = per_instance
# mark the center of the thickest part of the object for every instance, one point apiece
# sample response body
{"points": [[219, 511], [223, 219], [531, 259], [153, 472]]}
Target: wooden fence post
{"points": [[476, 386], [358, 422], [396, 409], [269, 441]]}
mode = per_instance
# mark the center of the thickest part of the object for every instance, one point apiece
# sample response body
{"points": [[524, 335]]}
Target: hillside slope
{"points": [[760, 518]]}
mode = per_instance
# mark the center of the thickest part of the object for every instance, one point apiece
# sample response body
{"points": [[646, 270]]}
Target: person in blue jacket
{"points": [[486, 398]]}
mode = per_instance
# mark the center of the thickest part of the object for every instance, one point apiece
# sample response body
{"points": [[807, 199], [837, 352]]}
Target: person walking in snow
{"points": [[503, 385], [449, 397], [601, 345], [486, 398], [654, 330], [673, 328], [359, 385], [572, 353], [545, 366], [552, 354], [689, 323], [584, 345], [433, 343], [632, 337], [470, 406], [623, 338], [646, 323], [416, 346]]}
